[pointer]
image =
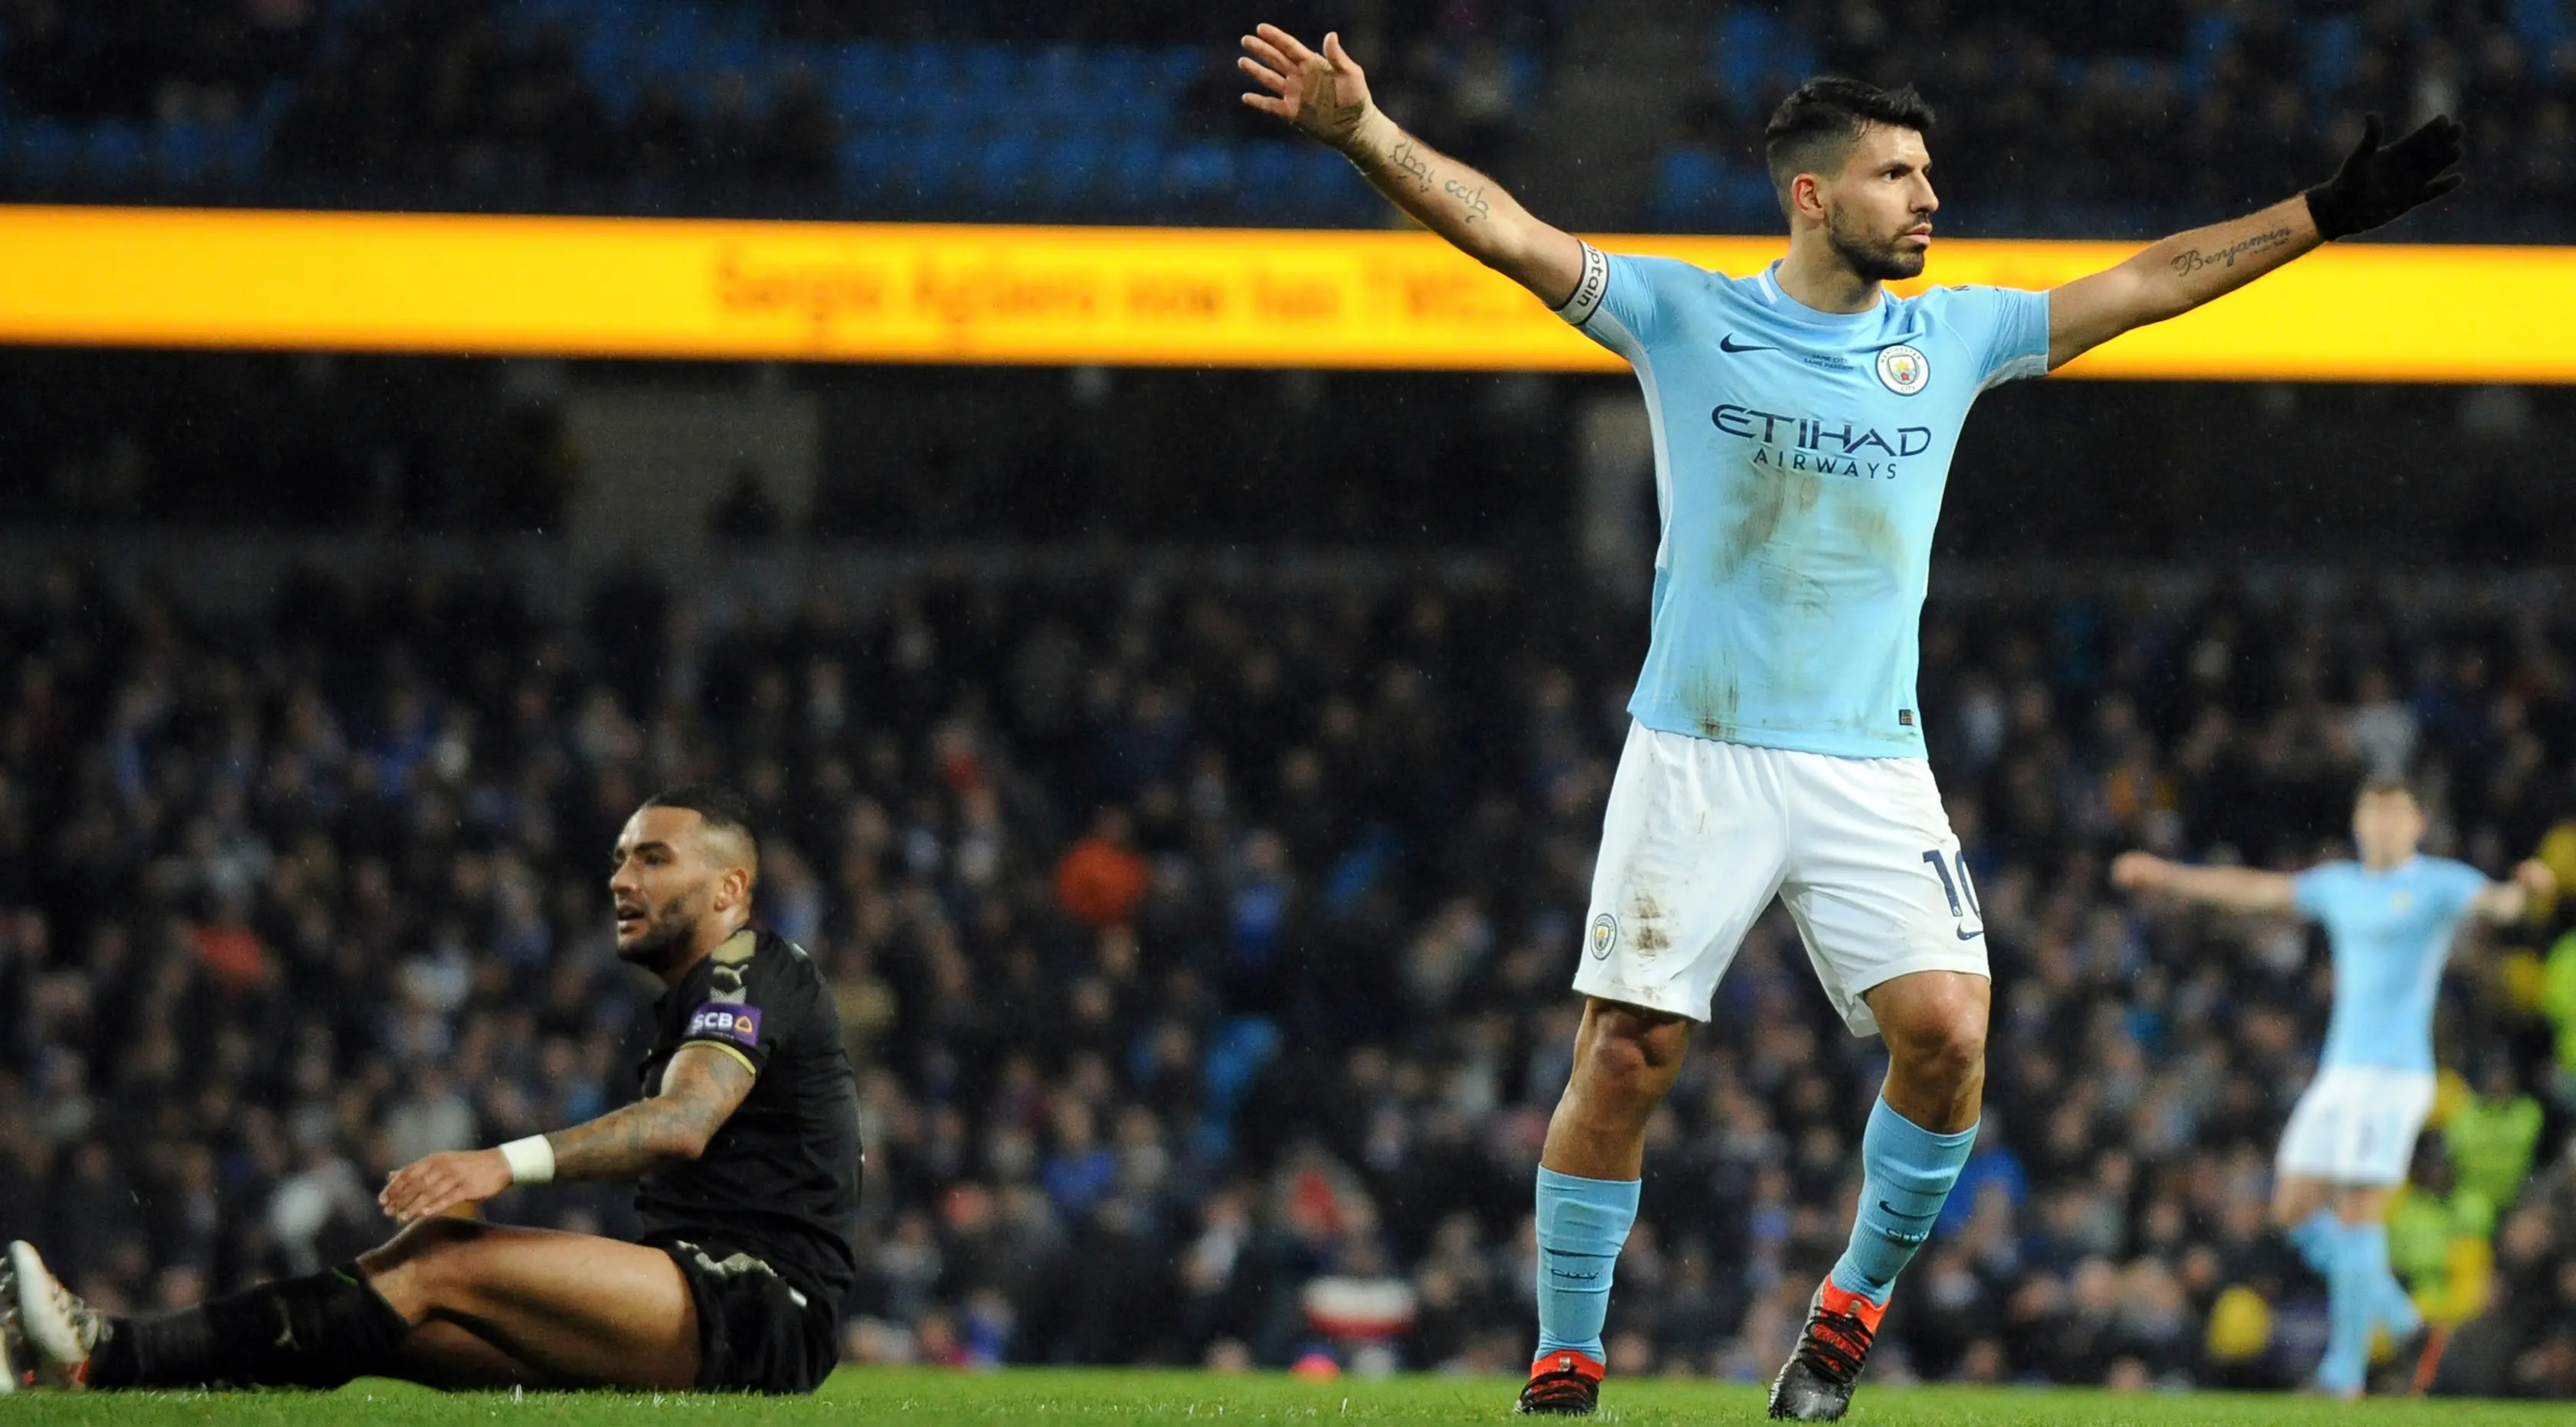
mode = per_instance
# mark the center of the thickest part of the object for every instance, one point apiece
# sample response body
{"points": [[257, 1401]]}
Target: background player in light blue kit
{"points": [[2390, 919], [1803, 422]]}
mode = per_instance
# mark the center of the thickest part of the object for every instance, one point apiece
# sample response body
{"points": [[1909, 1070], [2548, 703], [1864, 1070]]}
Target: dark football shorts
{"points": [[756, 1331]]}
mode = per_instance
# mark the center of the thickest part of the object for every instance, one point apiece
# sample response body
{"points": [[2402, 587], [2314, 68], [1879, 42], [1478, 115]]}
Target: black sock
{"points": [[316, 1331]]}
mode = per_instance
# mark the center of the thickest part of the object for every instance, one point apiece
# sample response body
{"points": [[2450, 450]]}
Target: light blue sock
{"points": [[2318, 1238], [2353, 1301], [1582, 1225], [1906, 1174], [2389, 1303]]}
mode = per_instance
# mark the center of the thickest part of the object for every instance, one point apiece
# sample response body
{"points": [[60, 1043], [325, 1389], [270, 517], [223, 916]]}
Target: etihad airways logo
{"points": [[1813, 443]]}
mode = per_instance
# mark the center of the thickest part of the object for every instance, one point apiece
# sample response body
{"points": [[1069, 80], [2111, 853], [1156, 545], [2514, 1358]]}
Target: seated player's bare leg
{"points": [[578, 1309], [449, 1356], [1625, 1059], [1934, 1023]]}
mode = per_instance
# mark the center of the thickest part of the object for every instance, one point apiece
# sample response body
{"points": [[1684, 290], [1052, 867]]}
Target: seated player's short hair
{"points": [[719, 809], [1814, 129]]}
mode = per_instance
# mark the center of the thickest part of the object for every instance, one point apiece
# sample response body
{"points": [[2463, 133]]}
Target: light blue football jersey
{"points": [[1800, 458], [2391, 932]]}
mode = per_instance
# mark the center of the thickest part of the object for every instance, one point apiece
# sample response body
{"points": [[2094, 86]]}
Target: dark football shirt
{"points": [[780, 1180]]}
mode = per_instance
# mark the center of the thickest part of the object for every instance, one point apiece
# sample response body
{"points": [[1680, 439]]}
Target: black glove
{"points": [[2377, 185]]}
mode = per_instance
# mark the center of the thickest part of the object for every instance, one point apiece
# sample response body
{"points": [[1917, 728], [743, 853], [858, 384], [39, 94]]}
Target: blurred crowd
{"points": [[1199, 940], [2214, 103], [647, 105]]}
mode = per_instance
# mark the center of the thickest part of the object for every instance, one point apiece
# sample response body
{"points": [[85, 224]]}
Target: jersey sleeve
{"points": [[2005, 328], [2313, 891], [749, 1003], [1625, 303], [2461, 885]]}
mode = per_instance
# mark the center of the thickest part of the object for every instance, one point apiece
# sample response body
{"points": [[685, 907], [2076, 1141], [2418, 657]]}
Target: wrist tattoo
{"points": [[2198, 258]]}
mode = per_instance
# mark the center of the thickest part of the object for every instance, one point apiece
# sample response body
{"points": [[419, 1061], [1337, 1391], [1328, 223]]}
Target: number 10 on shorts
{"points": [[1952, 869]]}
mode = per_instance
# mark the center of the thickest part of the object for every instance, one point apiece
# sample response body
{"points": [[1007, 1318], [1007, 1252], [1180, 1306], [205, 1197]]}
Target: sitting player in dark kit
{"points": [[745, 1148]]}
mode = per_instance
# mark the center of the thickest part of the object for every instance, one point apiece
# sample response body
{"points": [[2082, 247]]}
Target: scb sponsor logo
{"points": [[738, 1023]]}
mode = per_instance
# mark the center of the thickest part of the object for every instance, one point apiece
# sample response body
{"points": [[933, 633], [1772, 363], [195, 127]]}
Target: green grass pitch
{"points": [[931, 1399]]}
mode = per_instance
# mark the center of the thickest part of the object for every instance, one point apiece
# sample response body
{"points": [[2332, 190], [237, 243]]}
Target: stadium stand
{"points": [[1202, 930], [2060, 120]]}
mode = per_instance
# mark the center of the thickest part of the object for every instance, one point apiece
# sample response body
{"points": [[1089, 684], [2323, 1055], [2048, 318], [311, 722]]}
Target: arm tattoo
{"points": [[1407, 159], [699, 1091], [1472, 199], [2193, 261]]}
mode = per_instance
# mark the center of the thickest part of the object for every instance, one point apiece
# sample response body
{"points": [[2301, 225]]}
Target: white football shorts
{"points": [[1700, 835], [2356, 1124]]}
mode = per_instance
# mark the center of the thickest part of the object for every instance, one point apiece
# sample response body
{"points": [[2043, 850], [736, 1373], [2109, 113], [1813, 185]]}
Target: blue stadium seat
{"points": [[673, 40], [925, 68], [1006, 170], [1127, 93], [1177, 67], [743, 56], [2540, 25], [1198, 173], [864, 87], [1328, 187], [936, 164], [1135, 165], [1689, 183], [533, 13], [1118, 67], [43, 150], [1745, 39], [1072, 168], [996, 73], [2209, 38], [116, 155], [1269, 177], [622, 17], [602, 57], [1059, 70], [2332, 43], [871, 164], [186, 155], [246, 151]]}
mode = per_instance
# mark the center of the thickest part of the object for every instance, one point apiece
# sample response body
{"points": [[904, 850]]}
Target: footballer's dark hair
{"points": [[2389, 785], [1814, 129], [719, 809]]}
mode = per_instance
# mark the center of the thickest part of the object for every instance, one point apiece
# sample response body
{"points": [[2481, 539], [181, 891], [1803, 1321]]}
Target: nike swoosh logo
{"points": [[1727, 343], [1971, 936], [1887, 1208]]}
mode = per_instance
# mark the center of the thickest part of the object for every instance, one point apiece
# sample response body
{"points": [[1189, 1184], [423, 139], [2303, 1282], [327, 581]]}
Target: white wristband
{"points": [[532, 1160]]}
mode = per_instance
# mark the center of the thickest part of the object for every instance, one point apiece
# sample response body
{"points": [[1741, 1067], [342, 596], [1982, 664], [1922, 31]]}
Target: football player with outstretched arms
{"points": [[2390, 919], [1803, 420]]}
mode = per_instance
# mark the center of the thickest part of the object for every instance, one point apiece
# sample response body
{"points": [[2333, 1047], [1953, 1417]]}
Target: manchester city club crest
{"points": [[1902, 369], [1605, 935]]}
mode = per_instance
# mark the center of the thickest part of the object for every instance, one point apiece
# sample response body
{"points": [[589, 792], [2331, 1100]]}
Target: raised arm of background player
{"points": [[2247, 889], [2375, 185], [701, 1089], [1327, 97]]}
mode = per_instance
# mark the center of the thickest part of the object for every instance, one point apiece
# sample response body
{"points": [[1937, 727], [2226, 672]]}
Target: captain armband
{"points": [[1588, 292]]}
